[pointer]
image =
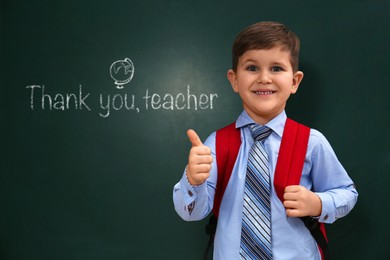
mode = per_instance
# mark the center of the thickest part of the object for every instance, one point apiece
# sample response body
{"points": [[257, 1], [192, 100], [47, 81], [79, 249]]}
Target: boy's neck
{"points": [[263, 119]]}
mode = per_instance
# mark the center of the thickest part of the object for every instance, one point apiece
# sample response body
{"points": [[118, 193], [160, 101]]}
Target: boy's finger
{"points": [[292, 188], [194, 138]]}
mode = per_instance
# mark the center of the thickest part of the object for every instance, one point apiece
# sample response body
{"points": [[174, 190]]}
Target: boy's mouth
{"points": [[264, 92]]}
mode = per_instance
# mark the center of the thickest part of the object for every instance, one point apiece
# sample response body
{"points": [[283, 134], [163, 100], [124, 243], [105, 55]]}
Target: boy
{"points": [[264, 74]]}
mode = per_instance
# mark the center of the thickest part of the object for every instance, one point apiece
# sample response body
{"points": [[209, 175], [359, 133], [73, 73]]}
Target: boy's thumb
{"points": [[194, 138]]}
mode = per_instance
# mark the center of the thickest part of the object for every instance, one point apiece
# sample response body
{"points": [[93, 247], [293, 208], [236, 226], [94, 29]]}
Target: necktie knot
{"points": [[259, 133]]}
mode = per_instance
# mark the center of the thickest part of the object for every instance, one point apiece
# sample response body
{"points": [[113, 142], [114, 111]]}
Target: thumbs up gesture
{"points": [[199, 160]]}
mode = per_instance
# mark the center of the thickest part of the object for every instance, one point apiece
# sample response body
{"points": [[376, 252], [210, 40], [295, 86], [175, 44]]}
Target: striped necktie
{"points": [[256, 220]]}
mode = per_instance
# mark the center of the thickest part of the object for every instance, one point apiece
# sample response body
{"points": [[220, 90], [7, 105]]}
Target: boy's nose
{"points": [[264, 78]]}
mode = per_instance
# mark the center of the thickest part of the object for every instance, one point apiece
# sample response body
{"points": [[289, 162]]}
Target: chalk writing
{"points": [[117, 102], [41, 98], [179, 101], [60, 101]]}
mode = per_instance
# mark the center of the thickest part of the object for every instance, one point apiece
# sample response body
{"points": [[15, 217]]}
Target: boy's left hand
{"points": [[301, 202]]}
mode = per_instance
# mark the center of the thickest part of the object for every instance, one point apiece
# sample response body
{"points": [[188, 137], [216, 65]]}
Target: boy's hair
{"points": [[266, 35]]}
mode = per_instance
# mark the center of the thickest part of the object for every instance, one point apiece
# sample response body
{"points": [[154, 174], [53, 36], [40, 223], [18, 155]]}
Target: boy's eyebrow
{"points": [[280, 63], [249, 60]]}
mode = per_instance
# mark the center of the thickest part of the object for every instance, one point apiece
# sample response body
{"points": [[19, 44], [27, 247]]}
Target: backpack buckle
{"points": [[310, 222]]}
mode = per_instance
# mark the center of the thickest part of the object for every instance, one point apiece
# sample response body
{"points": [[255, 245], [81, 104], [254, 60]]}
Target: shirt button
{"points": [[190, 193], [326, 217]]}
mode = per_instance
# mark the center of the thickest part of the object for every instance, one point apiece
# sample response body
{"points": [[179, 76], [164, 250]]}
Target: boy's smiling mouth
{"points": [[261, 92]]}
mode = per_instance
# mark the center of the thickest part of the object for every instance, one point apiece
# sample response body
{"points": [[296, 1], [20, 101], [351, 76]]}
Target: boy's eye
{"points": [[252, 68], [276, 68]]}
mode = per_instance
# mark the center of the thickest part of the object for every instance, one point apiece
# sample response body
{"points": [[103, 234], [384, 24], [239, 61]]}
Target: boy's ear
{"points": [[297, 78], [232, 77]]}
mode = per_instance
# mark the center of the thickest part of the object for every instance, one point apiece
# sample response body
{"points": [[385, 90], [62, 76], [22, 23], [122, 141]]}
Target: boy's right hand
{"points": [[199, 160]]}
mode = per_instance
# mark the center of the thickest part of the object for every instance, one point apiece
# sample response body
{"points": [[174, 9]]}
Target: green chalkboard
{"points": [[96, 97]]}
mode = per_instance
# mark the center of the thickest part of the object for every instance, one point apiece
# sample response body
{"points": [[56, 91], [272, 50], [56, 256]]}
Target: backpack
{"points": [[294, 142]]}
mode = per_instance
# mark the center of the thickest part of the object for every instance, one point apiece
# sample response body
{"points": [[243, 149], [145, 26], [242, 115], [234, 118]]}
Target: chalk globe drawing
{"points": [[122, 71]]}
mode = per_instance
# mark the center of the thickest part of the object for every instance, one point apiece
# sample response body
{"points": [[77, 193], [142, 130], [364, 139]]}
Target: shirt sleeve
{"points": [[195, 202], [331, 182]]}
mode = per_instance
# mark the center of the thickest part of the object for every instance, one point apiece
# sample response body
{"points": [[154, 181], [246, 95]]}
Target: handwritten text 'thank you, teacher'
{"points": [[41, 98]]}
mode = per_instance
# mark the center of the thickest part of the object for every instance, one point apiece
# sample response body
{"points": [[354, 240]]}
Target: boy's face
{"points": [[264, 80]]}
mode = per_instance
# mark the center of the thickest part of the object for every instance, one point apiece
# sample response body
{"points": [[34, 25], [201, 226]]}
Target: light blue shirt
{"points": [[322, 173]]}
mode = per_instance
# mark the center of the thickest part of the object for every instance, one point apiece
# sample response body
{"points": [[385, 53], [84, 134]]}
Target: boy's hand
{"points": [[301, 202], [199, 160]]}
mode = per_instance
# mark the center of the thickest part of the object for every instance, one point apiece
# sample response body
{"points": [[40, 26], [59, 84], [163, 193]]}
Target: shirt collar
{"points": [[276, 124]]}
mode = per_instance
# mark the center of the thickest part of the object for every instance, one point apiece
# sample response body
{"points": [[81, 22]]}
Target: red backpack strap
{"points": [[288, 171], [227, 144], [291, 156]]}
